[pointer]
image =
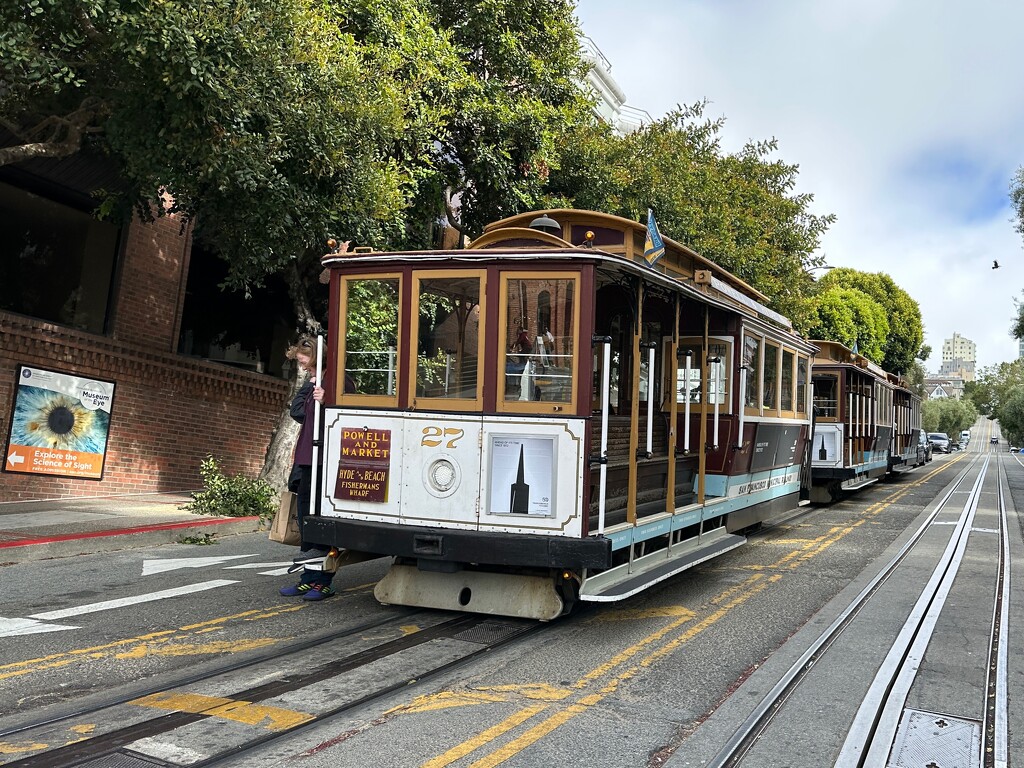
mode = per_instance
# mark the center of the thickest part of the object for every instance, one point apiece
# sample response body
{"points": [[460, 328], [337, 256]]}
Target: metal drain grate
{"points": [[490, 632], [120, 760], [926, 739]]}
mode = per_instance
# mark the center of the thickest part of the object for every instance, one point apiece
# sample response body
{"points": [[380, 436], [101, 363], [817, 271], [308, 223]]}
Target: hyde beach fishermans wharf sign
{"points": [[59, 424], [364, 465]]}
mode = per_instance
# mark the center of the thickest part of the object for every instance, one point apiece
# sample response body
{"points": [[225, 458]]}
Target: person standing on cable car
{"points": [[314, 584]]}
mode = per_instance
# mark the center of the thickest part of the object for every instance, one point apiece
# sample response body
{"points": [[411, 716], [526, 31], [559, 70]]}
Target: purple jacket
{"points": [[302, 411]]}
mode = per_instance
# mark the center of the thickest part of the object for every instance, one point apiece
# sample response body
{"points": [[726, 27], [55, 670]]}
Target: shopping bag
{"points": [[285, 527]]}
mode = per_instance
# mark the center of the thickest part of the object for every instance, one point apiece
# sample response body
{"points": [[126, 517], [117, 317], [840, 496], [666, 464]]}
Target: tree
{"points": [[993, 384], [740, 210], [524, 92], [1011, 417], [949, 416], [1017, 327], [270, 122], [902, 342], [852, 318], [1017, 199]]}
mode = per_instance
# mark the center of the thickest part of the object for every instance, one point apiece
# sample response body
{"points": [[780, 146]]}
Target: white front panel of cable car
{"points": [[508, 474]]}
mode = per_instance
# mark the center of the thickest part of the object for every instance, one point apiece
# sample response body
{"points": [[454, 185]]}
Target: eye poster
{"points": [[59, 424]]}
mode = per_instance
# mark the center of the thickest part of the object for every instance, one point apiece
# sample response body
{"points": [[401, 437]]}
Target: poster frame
{"points": [[10, 446], [550, 478]]}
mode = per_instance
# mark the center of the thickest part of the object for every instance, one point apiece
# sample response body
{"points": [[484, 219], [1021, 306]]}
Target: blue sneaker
{"points": [[295, 590], [318, 592]]}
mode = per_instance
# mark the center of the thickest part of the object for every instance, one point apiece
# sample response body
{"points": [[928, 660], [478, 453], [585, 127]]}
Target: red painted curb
{"points": [[124, 531]]}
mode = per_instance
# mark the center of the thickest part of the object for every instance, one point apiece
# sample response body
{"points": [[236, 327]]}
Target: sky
{"points": [[905, 117]]}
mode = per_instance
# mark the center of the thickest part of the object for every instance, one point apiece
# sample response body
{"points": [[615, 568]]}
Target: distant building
{"points": [[959, 356], [611, 101], [939, 388]]}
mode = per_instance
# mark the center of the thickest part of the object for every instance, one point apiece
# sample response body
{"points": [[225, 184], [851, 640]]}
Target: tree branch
{"points": [[86, 23], [453, 219], [54, 136]]}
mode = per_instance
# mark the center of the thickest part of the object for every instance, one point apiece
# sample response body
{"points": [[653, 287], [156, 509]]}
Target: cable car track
{"points": [[156, 715], [874, 729]]}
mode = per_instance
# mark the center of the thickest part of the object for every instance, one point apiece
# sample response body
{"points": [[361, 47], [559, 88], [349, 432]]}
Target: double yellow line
{"points": [[564, 704]]}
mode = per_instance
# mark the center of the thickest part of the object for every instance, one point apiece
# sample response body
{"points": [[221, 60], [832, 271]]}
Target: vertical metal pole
{"points": [[743, 406], [650, 401], [686, 409], [605, 397], [391, 370], [315, 474], [717, 390]]}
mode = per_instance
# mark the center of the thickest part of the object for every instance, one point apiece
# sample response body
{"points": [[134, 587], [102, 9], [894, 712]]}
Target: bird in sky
{"points": [[995, 264]]}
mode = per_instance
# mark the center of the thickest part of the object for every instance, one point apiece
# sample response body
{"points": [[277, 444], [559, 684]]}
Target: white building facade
{"points": [[959, 356]]}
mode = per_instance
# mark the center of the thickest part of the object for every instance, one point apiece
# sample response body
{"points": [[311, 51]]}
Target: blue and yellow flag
{"points": [[654, 246]]}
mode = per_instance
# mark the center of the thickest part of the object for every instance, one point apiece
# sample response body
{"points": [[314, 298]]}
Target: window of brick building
{"points": [[58, 261]]}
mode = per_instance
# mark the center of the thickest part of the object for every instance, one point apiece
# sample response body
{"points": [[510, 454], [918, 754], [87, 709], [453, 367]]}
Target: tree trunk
{"points": [[278, 462]]}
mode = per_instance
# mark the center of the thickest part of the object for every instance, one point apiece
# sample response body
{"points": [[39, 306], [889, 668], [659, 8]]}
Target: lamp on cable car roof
{"points": [[545, 223]]}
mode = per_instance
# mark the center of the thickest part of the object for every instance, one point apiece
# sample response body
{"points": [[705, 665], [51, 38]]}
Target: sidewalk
{"points": [[37, 530]]}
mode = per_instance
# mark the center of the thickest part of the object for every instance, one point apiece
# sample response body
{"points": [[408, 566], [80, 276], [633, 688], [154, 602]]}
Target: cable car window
{"points": [[826, 397], [538, 358], [719, 372], [752, 360], [801, 385], [448, 335], [786, 391], [771, 374], [371, 323]]}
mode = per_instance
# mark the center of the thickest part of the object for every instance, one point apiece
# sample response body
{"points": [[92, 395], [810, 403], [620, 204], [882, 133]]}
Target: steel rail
{"points": [[743, 738], [873, 732], [109, 745]]}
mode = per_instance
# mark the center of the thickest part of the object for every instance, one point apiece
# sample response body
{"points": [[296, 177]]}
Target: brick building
{"points": [[95, 300]]}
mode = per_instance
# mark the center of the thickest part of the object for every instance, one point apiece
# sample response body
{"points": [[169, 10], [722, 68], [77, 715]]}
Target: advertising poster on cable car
{"points": [[59, 424], [522, 470], [364, 465]]}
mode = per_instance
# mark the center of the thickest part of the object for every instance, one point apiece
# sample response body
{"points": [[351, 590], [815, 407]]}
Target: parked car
{"points": [[924, 444], [939, 441]]}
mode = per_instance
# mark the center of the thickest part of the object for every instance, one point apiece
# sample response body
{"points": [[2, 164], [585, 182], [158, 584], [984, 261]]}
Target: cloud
{"points": [[903, 117]]}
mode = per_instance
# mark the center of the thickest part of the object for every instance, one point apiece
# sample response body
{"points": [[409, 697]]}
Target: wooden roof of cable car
{"points": [[839, 354], [679, 261]]}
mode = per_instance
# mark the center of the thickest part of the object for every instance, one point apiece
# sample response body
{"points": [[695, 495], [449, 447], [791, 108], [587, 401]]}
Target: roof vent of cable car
{"points": [[546, 224]]}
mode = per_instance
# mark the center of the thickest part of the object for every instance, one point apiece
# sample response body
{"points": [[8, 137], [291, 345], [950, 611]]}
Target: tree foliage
{"points": [[1017, 199], [1017, 326], [903, 338], [492, 155], [273, 122], [1011, 417], [740, 210], [851, 317], [948, 415], [994, 386]]}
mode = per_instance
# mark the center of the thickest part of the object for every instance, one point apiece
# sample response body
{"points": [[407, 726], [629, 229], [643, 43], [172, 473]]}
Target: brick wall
{"points": [[169, 411], [151, 290]]}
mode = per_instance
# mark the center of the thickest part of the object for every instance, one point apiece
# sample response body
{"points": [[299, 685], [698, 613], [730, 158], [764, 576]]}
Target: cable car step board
{"points": [[630, 578]]}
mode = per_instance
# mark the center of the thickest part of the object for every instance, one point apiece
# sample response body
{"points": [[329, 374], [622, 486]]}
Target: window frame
{"points": [[358, 398], [445, 403], [697, 343], [753, 376], [575, 277]]}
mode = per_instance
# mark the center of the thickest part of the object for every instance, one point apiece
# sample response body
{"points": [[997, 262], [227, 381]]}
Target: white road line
{"points": [[162, 565], [255, 566], [12, 627], [106, 605]]}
